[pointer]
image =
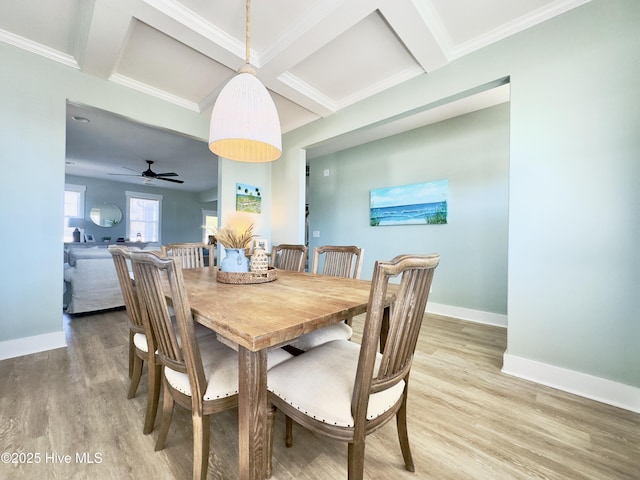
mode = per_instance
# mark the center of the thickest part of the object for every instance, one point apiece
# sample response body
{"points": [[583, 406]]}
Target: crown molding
{"points": [[38, 49], [154, 92], [181, 14], [538, 16], [382, 85]]}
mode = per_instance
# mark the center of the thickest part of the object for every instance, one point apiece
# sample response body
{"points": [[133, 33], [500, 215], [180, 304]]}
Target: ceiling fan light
{"points": [[244, 123]]}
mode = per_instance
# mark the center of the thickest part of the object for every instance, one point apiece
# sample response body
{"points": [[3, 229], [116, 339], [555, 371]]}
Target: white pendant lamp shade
{"points": [[244, 122]]}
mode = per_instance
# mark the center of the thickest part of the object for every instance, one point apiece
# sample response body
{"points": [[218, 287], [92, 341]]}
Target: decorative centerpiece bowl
{"points": [[245, 278]]}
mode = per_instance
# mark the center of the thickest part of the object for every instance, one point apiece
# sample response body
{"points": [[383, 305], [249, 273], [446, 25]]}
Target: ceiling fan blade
{"points": [[169, 180], [150, 174]]}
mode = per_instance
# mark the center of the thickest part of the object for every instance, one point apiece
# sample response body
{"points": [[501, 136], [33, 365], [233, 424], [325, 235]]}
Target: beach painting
{"points": [[417, 204], [248, 198]]}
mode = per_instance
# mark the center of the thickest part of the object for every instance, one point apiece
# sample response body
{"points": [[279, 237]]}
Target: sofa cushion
{"points": [[89, 253], [91, 281]]}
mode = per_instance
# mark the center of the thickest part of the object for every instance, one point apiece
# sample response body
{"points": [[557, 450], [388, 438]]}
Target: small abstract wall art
{"points": [[417, 204], [248, 198]]}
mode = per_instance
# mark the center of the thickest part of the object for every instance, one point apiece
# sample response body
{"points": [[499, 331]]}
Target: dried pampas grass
{"points": [[229, 238]]}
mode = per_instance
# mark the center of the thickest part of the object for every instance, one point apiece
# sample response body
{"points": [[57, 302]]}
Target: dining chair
{"points": [[356, 389], [338, 260], [335, 261], [139, 350], [200, 374], [289, 257], [192, 255]]}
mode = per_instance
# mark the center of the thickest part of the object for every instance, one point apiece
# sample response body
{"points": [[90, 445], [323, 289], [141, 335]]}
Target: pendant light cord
{"points": [[247, 68], [248, 36]]}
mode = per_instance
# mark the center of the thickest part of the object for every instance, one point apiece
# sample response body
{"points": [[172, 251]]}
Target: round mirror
{"points": [[107, 215]]}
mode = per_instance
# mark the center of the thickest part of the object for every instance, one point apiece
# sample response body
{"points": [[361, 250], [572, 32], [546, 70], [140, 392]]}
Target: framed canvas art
{"points": [[248, 198], [416, 204]]}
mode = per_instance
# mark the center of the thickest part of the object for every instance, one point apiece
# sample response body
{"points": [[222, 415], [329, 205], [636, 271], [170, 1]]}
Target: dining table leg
{"points": [[252, 413]]}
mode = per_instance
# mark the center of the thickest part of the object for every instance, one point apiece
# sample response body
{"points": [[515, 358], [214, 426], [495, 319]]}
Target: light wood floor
{"points": [[466, 419]]}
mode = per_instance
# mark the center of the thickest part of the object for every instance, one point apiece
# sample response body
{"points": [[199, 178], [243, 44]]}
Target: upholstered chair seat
{"points": [[337, 331], [320, 384], [220, 365], [140, 339]]}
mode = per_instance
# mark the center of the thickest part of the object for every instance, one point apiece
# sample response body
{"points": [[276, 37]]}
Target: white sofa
{"points": [[90, 280]]}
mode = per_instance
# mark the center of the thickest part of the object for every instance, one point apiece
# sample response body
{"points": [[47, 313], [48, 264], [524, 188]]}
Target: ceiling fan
{"points": [[150, 174]]}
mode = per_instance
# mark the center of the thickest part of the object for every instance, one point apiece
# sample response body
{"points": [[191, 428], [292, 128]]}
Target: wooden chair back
{"points": [[176, 342], [338, 261], [289, 257], [404, 322], [138, 324], [191, 255], [121, 257]]}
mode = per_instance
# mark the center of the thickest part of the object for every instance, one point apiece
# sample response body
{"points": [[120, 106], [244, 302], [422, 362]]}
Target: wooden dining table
{"points": [[256, 317]]}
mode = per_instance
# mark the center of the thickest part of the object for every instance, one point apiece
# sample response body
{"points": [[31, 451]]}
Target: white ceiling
{"points": [[315, 56]]}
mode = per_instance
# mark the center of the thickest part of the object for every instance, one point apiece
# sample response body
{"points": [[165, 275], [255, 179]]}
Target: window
{"points": [[144, 216], [73, 209], [209, 222]]}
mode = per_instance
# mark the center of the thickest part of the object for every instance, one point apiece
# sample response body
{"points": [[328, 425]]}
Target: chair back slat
{"points": [[121, 258], [405, 319], [151, 294], [338, 261], [191, 255], [289, 257], [404, 323]]}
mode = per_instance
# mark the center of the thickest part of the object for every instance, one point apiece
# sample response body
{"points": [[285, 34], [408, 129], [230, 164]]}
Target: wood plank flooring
{"points": [[466, 419]]}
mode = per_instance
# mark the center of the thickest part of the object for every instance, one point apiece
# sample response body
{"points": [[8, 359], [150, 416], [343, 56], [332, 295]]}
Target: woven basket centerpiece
{"points": [[245, 278]]}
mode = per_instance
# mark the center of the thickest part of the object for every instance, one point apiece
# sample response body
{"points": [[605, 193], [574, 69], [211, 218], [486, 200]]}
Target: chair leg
{"points": [[132, 353], [201, 438], [403, 436], [153, 396], [356, 460], [167, 414], [288, 434], [137, 373], [271, 416]]}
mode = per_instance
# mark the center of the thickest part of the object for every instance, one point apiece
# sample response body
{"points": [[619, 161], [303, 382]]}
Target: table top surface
{"points": [[258, 316]]}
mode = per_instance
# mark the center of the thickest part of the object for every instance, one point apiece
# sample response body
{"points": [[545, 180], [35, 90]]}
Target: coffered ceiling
{"points": [[315, 56]]}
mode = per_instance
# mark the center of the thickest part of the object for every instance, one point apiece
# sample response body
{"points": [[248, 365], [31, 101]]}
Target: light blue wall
{"points": [[32, 160], [33, 98], [257, 174], [574, 261], [472, 153], [181, 211], [574, 201]]}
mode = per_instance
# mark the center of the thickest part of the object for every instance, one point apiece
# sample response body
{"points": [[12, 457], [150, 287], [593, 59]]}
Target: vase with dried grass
{"points": [[235, 245]]}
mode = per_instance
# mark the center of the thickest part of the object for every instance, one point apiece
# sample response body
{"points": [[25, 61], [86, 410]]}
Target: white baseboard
{"points": [[477, 316], [34, 344], [595, 388]]}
